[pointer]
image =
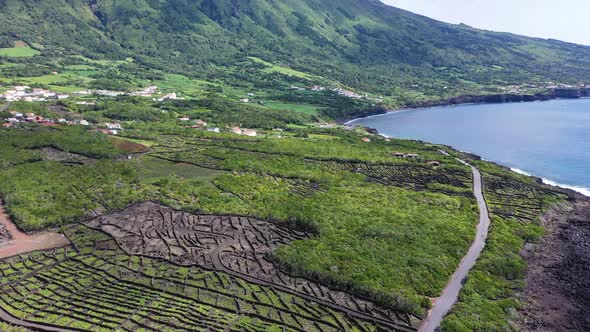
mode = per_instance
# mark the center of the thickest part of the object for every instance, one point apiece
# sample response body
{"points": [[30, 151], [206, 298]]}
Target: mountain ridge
{"points": [[365, 44]]}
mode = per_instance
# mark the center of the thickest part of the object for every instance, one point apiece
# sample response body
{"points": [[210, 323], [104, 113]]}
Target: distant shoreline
{"points": [[579, 189], [473, 100]]}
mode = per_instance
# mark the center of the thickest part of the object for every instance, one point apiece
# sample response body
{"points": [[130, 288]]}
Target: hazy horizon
{"points": [[535, 18]]}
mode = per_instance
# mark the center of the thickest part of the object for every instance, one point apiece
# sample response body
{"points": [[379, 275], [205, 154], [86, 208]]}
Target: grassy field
{"points": [[152, 169], [307, 109], [271, 68], [66, 77], [19, 52]]}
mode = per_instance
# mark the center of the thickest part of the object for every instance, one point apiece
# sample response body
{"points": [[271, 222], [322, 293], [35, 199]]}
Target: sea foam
{"points": [[581, 190]]}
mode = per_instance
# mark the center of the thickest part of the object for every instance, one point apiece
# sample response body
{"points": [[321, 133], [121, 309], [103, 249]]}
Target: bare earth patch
{"points": [[53, 154], [20, 242], [557, 295], [239, 246]]}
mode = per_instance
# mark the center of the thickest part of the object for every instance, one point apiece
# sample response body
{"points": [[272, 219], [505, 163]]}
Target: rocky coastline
{"points": [[557, 292], [480, 99]]}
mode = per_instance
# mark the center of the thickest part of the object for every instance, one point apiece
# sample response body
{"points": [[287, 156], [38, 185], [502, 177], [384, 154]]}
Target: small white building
{"points": [[245, 100], [84, 123], [114, 126], [200, 123], [214, 130], [249, 132]]}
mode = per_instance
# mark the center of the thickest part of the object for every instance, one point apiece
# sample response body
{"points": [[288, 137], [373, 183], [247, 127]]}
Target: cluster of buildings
{"points": [[245, 132], [17, 117], [146, 92], [111, 128], [406, 155], [26, 93], [201, 125], [347, 93]]}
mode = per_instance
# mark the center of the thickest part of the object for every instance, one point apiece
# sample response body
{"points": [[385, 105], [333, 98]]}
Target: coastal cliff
{"points": [[564, 93]]}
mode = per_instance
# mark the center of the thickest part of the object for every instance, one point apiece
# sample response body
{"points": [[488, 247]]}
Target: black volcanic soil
{"points": [[557, 295]]}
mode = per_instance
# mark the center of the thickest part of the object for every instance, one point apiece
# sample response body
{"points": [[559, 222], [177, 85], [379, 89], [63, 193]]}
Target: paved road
{"points": [[445, 302]]}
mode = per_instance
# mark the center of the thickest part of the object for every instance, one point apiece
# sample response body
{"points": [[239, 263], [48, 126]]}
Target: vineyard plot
{"points": [[93, 285], [238, 246], [511, 198]]}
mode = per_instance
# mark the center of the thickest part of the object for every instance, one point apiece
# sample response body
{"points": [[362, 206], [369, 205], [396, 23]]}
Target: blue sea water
{"points": [[548, 139]]}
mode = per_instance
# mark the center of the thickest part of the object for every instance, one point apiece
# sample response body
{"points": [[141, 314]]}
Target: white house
{"points": [[200, 123], [84, 123], [114, 126], [249, 132]]}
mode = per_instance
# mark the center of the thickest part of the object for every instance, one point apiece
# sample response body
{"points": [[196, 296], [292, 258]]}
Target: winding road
{"points": [[450, 294]]}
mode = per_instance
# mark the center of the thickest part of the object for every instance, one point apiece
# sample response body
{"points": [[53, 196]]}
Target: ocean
{"points": [[550, 139]]}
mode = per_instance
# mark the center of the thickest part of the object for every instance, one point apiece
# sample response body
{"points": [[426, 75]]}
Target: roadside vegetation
{"points": [[358, 225], [489, 300]]}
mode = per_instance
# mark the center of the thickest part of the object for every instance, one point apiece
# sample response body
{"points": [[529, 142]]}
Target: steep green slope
{"points": [[362, 43]]}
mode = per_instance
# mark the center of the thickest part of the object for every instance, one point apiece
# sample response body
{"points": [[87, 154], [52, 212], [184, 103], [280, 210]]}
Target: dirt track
{"points": [[22, 243]]}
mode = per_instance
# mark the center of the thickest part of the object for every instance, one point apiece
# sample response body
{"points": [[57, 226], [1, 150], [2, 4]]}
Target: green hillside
{"points": [[362, 43]]}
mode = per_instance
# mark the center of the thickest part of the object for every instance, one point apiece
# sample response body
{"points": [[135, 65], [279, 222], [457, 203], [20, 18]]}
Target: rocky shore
{"points": [[482, 99], [557, 292]]}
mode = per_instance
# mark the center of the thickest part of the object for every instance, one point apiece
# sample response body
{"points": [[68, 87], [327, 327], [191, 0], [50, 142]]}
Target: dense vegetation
{"points": [[360, 226], [389, 230], [363, 205], [360, 43], [489, 300]]}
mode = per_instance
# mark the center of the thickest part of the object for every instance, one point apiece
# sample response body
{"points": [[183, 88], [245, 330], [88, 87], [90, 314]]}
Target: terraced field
{"points": [[416, 175], [254, 235], [410, 176], [510, 198], [166, 270]]}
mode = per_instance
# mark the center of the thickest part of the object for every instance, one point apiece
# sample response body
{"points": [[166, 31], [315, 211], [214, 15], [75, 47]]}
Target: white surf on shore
{"points": [[581, 190]]}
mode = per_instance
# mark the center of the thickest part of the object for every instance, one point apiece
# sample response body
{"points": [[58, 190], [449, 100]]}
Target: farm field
{"points": [[192, 166], [170, 227], [308, 109], [254, 210], [95, 285], [19, 52]]}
